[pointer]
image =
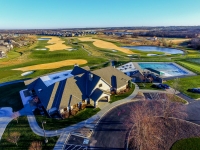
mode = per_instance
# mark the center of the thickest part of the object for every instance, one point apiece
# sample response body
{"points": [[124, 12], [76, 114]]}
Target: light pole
{"points": [[46, 140]]}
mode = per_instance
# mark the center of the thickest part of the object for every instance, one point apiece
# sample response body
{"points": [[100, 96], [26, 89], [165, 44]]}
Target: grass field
{"points": [[191, 66], [27, 136], [34, 57], [187, 83], [187, 144], [56, 43], [10, 96], [53, 65], [54, 124], [194, 60], [106, 45]]}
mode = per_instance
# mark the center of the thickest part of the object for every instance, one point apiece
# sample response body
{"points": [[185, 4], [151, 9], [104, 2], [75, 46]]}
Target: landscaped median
{"points": [[55, 124], [120, 96]]}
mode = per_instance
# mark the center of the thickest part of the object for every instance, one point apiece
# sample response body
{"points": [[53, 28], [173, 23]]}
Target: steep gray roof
{"points": [[74, 86], [78, 70], [112, 76], [96, 94]]}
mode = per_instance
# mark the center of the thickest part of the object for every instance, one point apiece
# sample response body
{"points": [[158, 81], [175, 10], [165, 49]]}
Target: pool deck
{"points": [[190, 73]]}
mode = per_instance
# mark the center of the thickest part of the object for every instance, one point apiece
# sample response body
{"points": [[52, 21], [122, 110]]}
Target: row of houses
{"points": [[67, 33], [5, 44], [65, 90]]}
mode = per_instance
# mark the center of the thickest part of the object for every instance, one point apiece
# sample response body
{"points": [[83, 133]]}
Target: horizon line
{"points": [[97, 27]]}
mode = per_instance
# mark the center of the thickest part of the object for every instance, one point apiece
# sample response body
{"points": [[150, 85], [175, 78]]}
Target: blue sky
{"points": [[27, 14]]}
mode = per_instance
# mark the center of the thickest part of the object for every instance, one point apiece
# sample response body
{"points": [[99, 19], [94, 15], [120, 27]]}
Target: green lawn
{"points": [[147, 86], [186, 83], [191, 66], [187, 144], [27, 136], [114, 98], [10, 96], [55, 124], [194, 60]]}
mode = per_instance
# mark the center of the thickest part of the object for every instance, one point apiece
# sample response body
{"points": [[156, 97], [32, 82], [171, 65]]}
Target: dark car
{"points": [[161, 86], [165, 86], [194, 90], [158, 86]]}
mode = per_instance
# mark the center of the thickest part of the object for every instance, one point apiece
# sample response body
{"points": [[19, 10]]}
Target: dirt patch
{"points": [[106, 45], [57, 43], [53, 65]]}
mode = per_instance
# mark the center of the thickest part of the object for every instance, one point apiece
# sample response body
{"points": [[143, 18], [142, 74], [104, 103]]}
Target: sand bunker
{"points": [[57, 43], [106, 45], [53, 65]]}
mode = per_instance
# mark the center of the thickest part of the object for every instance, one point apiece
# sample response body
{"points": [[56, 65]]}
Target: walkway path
{"points": [[3, 124], [5, 118]]}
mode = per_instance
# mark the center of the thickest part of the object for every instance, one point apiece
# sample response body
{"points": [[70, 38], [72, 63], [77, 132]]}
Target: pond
{"points": [[156, 48], [43, 39]]}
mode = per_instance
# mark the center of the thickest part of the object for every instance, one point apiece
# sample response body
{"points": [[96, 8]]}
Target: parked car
{"points": [[164, 86], [160, 86], [194, 90]]}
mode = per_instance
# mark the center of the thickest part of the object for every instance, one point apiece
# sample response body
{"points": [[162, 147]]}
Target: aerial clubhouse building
{"points": [[64, 90]]}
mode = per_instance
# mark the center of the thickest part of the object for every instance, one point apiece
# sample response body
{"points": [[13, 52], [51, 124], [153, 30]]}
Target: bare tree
{"points": [[15, 116], [14, 137], [36, 145], [176, 85], [147, 122]]}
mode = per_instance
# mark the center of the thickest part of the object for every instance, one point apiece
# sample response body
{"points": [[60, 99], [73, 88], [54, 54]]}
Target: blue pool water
{"points": [[167, 69]]}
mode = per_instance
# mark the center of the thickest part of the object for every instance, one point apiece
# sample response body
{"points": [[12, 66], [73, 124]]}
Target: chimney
{"points": [[90, 76], [75, 64]]}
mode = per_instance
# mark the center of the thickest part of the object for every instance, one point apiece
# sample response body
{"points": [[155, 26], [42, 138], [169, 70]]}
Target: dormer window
{"points": [[56, 77]]}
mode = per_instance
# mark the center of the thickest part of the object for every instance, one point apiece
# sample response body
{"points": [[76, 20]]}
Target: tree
{"points": [[14, 137], [148, 121], [176, 85], [36, 145], [15, 116]]}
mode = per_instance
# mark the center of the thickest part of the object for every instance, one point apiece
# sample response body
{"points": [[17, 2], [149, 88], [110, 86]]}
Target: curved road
{"points": [[111, 131]]}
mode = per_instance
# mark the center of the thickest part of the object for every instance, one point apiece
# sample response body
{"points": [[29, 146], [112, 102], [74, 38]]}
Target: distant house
{"points": [[2, 54], [65, 90]]}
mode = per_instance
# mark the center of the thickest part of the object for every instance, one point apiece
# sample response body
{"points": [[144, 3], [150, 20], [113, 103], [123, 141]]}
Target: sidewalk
{"points": [[5, 118]]}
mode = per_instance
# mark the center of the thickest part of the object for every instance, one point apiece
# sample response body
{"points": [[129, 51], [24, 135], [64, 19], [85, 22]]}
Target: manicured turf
{"points": [[194, 60], [41, 44], [187, 83], [147, 86], [187, 144], [27, 136], [191, 66], [54, 124], [10, 96], [114, 98]]}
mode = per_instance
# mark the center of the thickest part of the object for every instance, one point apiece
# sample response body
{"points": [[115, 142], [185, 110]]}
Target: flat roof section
{"points": [[56, 77], [128, 67]]}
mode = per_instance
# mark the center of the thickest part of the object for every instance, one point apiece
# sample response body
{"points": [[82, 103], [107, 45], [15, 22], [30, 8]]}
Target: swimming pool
{"points": [[164, 69]]}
